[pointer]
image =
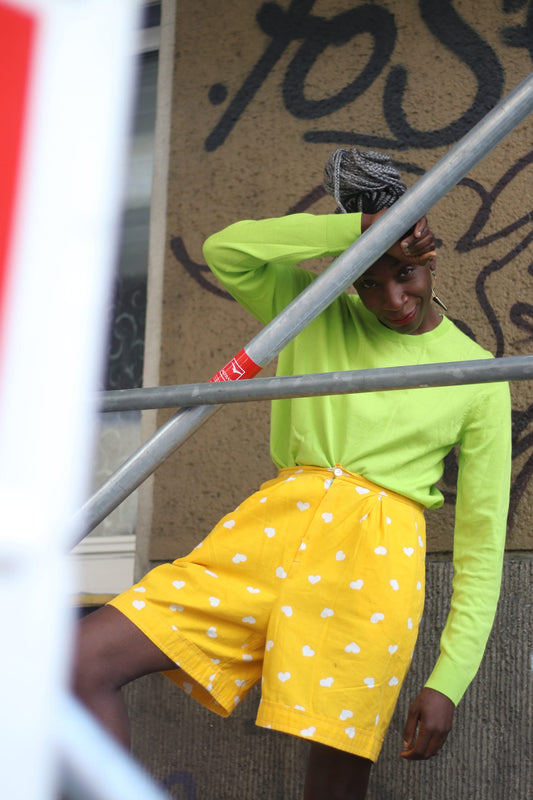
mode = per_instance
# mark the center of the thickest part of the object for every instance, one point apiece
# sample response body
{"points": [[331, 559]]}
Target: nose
{"points": [[393, 296]]}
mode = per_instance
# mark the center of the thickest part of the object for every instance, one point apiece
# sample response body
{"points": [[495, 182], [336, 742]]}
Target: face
{"points": [[399, 295]]}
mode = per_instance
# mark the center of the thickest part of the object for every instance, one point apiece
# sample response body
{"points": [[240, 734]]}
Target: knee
{"points": [[336, 775], [95, 666]]}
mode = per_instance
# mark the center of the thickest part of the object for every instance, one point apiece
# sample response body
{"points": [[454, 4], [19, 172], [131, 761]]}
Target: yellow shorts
{"points": [[314, 584]]}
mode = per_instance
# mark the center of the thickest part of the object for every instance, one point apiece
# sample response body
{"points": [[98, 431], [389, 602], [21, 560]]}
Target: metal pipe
{"points": [[454, 373], [309, 304]]}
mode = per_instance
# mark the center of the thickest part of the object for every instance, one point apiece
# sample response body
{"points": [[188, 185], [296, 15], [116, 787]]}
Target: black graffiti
{"points": [[444, 22], [520, 35], [473, 238], [198, 272], [316, 34], [522, 316]]}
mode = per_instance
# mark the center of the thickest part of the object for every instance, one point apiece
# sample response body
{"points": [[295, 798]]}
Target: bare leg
{"points": [[335, 775], [111, 652]]}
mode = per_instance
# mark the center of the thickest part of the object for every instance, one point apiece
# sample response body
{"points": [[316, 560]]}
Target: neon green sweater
{"points": [[397, 439]]}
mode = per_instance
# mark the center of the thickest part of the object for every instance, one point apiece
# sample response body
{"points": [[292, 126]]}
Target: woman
{"points": [[315, 584]]}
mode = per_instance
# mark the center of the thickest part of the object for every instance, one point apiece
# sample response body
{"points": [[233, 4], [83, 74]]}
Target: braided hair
{"points": [[362, 181]]}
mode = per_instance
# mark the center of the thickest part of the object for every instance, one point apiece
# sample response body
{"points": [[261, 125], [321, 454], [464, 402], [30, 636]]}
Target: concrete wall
{"points": [[254, 98]]}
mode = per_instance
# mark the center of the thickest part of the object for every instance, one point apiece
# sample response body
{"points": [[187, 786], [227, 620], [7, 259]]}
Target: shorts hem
{"points": [[188, 660], [341, 736]]}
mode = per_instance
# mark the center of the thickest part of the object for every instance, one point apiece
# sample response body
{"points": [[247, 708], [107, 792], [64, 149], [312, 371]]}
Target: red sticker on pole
{"points": [[241, 366]]}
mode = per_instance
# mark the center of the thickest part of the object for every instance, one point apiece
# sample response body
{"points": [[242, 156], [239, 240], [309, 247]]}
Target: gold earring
{"points": [[434, 297]]}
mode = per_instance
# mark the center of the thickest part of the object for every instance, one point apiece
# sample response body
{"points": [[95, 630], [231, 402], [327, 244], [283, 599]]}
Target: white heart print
{"points": [[178, 584], [280, 573], [239, 558], [352, 648], [307, 651], [380, 551], [369, 682], [214, 601], [302, 506], [327, 516], [393, 648], [139, 589], [284, 676], [270, 532], [408, 551], [326, 682], [287, 610], [314, 578], [326, 612], [138, 604], [229, 523], [395, 585], [358, 584], [377, 617], [310, 731], [345, 714], [350, 732]]}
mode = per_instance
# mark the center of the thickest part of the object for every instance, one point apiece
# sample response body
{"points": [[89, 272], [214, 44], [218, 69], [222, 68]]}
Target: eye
{"points": [[407, 271], [366, 283]]}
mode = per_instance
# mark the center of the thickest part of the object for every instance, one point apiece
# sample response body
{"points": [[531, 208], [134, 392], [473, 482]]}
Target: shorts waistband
{"points": [[352, 477]]}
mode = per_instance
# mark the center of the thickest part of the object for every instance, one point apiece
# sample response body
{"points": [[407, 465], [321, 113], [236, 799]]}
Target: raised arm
{"points": [[256, 260]]}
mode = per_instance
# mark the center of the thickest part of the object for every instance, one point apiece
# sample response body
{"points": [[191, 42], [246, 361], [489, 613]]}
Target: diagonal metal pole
{"points": [[442, 177]]}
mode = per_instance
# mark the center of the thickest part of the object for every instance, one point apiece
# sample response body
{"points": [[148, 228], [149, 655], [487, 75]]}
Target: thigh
{"points": [[111, 649]]}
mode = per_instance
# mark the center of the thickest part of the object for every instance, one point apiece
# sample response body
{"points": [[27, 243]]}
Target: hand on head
{"points": [[417, 246]]}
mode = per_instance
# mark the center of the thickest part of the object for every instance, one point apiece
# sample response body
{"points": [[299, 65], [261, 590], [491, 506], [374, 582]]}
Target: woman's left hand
{"points": [[429, 722], [419, 244]]}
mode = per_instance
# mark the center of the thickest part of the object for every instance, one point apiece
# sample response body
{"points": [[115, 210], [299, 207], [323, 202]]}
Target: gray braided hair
{"points": [[362, 181]]}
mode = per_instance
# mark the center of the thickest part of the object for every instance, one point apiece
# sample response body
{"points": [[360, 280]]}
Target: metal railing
{"points": [[312, 301], [418, 376]]}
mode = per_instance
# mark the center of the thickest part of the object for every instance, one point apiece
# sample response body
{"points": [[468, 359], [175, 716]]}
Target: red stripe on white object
{"points": [[241, 366]]}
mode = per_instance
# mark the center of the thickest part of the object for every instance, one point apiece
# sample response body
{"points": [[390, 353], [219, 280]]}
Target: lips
{"points": [[399, 321]]}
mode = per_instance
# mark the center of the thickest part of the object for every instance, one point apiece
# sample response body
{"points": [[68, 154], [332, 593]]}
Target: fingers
{"points": [[420, 243], [425, 745], [429, 721]]}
